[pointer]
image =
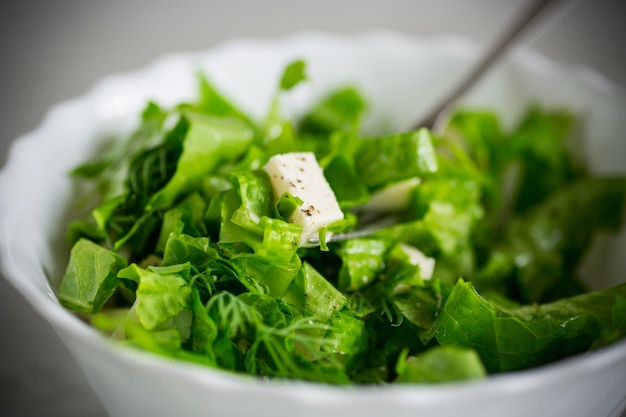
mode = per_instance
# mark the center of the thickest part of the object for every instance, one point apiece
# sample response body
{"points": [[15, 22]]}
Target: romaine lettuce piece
{"points": [[362, 260], [384, 160], [213, 103], [209, 142], [186, 217], [310, 294], [547, 159], [339, 111], [347, 338], [542, 248], [294, 74], [258, 274], [509, 339], [163, 293], [181, 248], [90, 278], [441, 364]]}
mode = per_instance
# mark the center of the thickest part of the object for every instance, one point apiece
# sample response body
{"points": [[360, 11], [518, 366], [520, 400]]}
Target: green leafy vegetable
{"points": [[189, 253], [441, 364], [389, 159], [91, 277], [510, 339], [294, 74], [209, 142]]}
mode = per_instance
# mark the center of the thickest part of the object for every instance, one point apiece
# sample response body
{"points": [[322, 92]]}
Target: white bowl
{"points": [[402, 76]]}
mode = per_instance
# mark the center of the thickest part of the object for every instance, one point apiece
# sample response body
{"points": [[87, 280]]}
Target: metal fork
{"points": [[435, 118]]}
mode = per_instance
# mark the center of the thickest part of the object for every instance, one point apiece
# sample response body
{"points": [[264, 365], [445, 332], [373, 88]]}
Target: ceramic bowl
{"points": [[402, 76]]}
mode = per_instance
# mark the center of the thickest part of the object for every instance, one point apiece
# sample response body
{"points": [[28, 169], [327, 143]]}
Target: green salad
{"points": [[210, 237]]}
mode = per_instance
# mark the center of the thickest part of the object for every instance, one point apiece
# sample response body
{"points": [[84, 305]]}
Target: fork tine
{"points": [[365, 229]]}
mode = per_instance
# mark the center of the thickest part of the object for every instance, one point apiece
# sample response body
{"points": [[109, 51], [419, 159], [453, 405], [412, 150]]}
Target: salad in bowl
{"points": [[284, 233]]}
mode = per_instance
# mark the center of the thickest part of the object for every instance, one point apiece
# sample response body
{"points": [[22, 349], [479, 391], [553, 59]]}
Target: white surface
{"points": [[41, 41]]}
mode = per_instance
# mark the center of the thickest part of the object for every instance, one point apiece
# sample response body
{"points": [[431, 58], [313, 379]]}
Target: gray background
{"points": [[55, 50]]}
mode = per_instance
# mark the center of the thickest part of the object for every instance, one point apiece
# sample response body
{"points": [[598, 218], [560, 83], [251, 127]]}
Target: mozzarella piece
{"points": [[417, 257], [300, 174], [392, 197]]}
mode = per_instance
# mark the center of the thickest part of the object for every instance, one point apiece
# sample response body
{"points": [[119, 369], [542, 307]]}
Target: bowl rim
{"points": [[63, 321]]}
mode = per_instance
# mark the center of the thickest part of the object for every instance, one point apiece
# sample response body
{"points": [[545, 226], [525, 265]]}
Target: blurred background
{"points": [[55, 50]]}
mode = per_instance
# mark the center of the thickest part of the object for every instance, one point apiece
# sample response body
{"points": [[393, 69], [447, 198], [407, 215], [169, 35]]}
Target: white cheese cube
{"points": [[392, 197], [300, 174], [417, 257]]}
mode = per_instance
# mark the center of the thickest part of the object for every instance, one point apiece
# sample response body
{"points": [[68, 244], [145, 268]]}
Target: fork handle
{"points": [[486, 62]]}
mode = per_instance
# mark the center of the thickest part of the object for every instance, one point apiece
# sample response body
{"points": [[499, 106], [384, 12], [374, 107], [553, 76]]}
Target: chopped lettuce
{"points": [[188, 253], [514, 338], [90, 278], [209, 142], [441, 364], [385, 160]]}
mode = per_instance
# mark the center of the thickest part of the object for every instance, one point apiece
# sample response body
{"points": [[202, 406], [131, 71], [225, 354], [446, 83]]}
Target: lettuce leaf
{"points": [[209, 142], [541, 249], [441, 364], [394, 158], [509, 339], [90, 278]]}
